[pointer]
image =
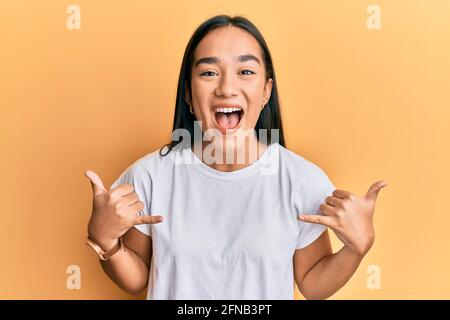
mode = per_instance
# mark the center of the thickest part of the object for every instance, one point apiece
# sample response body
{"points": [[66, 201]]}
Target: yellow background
{"points": [[362, 104]]}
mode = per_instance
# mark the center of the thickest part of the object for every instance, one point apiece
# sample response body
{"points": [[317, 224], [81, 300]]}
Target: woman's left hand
{"points": [[350, 217]]}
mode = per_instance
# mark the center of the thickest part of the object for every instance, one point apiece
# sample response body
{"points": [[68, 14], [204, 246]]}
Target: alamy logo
{"points": [[73, 22]]}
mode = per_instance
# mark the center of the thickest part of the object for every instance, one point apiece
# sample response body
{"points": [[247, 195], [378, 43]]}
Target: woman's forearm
{"points": [[127, 270], [330, 274], [351, 219]]}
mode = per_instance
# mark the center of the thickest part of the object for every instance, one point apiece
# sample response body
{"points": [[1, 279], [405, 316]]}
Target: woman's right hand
{"points": [[114, 212]]}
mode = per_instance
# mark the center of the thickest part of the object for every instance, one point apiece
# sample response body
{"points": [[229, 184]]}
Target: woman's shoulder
{"points": [[291, 158], [152, 163], [146, 170], [299, 167], [156, 159]]}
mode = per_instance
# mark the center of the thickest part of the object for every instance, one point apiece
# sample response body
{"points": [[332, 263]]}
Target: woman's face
{"points": [[229, 84]]}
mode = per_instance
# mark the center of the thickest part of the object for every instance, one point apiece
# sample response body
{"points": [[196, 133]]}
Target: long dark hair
{"points": [[270, 117]]}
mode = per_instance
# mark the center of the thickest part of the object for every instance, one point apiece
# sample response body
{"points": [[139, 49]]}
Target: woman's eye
{"points": [[249, 72], [207, 73], [212, 73]]}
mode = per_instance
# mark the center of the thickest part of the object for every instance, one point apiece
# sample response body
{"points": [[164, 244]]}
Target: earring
{"points": [[190, 109]]}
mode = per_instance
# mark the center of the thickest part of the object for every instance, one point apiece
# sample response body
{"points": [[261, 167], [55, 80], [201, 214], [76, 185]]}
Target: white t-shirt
{"points": [[226, 235]]}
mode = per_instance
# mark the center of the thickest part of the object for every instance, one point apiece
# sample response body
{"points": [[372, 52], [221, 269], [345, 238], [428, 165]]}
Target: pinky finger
{"points": [[147, 219], [317, 219]]}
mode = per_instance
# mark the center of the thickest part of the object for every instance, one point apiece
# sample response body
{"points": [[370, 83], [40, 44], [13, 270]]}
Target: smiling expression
{"points": [[229, 85]]}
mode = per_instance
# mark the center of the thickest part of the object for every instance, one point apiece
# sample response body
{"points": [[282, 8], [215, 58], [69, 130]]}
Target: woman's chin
{"points": [[232, 139]]}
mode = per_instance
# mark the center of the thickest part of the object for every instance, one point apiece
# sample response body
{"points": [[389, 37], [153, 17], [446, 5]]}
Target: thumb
{"points": [[97, 185], [372, 193]]}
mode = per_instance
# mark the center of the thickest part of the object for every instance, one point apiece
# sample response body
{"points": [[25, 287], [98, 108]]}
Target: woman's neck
{"points": [[233, 158]]}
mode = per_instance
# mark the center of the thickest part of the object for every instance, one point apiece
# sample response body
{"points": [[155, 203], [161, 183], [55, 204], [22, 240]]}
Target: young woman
{"points": [[190, 225]]}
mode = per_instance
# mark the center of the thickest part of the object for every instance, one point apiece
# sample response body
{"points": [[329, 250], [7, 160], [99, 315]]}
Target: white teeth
{"points": [[227, 110]]}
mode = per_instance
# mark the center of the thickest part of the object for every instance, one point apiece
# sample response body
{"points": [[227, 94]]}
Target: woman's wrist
{"points": [[357, 254], [105, 245]]}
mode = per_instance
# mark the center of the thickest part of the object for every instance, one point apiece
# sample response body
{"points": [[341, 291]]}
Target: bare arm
{"points": [[115, 213], [319, 273], [130, 269]]}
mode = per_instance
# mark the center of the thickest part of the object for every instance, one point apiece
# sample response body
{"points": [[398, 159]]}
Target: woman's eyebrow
{"points": [[248, 57], [216, 60]]}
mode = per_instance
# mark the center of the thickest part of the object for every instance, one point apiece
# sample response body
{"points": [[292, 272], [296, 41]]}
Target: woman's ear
{"points": [[268, 89], [187, 96]]}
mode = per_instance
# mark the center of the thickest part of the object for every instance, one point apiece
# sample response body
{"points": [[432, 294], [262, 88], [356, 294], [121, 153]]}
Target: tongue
{"points": [[227, 120]]}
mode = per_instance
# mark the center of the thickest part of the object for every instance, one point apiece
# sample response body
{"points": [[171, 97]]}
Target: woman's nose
{"points": [[227, 86]]}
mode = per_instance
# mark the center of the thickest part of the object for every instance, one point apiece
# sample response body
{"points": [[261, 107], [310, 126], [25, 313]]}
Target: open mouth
{"points": [[228, 117]]}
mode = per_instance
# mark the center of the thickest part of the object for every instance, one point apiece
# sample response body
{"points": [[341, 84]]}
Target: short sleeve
{"points": [[312, 193], [140, 178]]}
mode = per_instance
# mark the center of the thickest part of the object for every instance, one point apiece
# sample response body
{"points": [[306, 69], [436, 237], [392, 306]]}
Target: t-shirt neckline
{"points": [[229, 175]]}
